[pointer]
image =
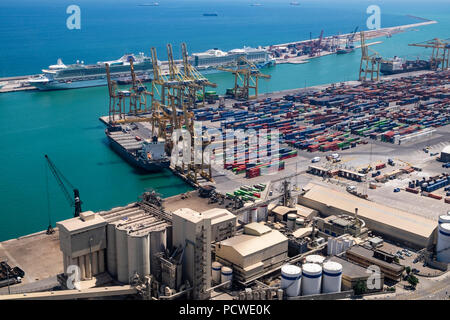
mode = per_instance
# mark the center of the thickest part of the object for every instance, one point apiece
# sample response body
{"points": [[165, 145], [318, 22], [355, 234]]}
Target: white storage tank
{"points": [[331, 246], [245, 217], [158, 243], [226, 274], [291, 220], [299, 223], [254, 214], [332, 277], [314, 258], [443, 243], [445, 218], [215, 271], [262, 213], [312, 278], [291, 277]]}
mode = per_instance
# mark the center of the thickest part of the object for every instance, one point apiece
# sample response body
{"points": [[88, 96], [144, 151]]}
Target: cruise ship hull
{"points": [[62, 85]]}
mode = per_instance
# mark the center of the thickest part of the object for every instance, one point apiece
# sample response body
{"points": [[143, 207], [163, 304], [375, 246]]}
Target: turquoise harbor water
{"points": [[65, 125]]}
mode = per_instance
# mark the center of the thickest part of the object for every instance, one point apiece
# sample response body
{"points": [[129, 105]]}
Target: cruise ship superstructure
{"points": [[208, 61]]}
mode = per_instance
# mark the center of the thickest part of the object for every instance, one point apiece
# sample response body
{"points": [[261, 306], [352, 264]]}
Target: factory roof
{"points": [[369, 256], [256, 229], [77, 225], [281, 210], [302, 232], [218, 215], [350, 269], [446, 150], [246, 245], [367, 209]]}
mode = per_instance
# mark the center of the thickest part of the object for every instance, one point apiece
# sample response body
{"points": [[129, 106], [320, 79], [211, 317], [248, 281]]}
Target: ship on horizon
{"points": [[79, 75], [153, 4]]}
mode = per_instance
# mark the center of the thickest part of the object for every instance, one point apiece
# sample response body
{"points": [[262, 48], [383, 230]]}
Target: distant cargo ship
{"points": [[295, 3], [154, 4], [256, 5], [398, 65], [79, 75], [213, 14], [208, 61], [145, 154]]}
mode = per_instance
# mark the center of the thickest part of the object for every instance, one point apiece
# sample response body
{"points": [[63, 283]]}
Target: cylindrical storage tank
{"points": [[122, 255], [138, 255], [312, 278], [111, 259], [158, 244], [444, 218], [226, 274], [215, 272], [245, 217], [299, 223], [330, 246], [314, 258], [443, 243], [254, 214], [262, 213], [339, 246], [291, 277], [332, 277], [291, 220]]}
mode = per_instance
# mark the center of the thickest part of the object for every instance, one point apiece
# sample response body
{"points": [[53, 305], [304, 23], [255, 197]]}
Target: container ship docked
{"points": [[398, 65], [79, 75], [146, 154]]}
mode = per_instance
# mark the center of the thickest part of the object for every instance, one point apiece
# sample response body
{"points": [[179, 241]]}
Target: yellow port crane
{"points": [[160, 116], [246, 76], [117, 98], [370, 62], [440, 54]]}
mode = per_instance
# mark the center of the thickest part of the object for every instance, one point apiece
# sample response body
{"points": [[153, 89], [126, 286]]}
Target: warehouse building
{"points": [[385, 261], [252, 254], [394, 224], [445, 154]]}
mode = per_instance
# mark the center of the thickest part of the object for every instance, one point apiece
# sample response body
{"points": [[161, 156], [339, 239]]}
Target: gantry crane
{"points": [[370, 62], [440, 54], [117, 98], [135, 98], [246, 76]]}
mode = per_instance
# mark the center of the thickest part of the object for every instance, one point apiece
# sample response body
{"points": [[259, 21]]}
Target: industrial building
{"points": [[445, 154], [353, 273], [385, 261], [259, 250], [410, 229], [340, 225]]}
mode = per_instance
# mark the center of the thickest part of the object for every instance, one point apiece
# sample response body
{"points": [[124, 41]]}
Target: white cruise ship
{"points": [[79, 75], [208, 61]]}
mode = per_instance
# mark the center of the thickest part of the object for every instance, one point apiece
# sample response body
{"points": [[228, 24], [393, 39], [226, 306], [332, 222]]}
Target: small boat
{"points": [[213, 14]]}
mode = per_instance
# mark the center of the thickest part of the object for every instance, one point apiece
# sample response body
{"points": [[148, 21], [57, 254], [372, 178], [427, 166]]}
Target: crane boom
{"points": [[62, 181]]}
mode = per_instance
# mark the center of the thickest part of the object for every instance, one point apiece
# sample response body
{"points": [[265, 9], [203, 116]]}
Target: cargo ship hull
{"points": [[133, 158]]}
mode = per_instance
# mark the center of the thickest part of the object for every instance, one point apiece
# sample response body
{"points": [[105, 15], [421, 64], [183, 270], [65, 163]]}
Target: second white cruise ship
{"points": [[208, 61]]}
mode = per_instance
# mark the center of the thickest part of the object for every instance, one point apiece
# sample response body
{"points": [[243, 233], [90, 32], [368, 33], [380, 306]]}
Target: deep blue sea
{"points": [[64, 124]]}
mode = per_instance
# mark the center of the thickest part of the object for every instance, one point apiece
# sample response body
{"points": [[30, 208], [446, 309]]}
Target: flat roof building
{"points": [[410, 229], [252, 254]]}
